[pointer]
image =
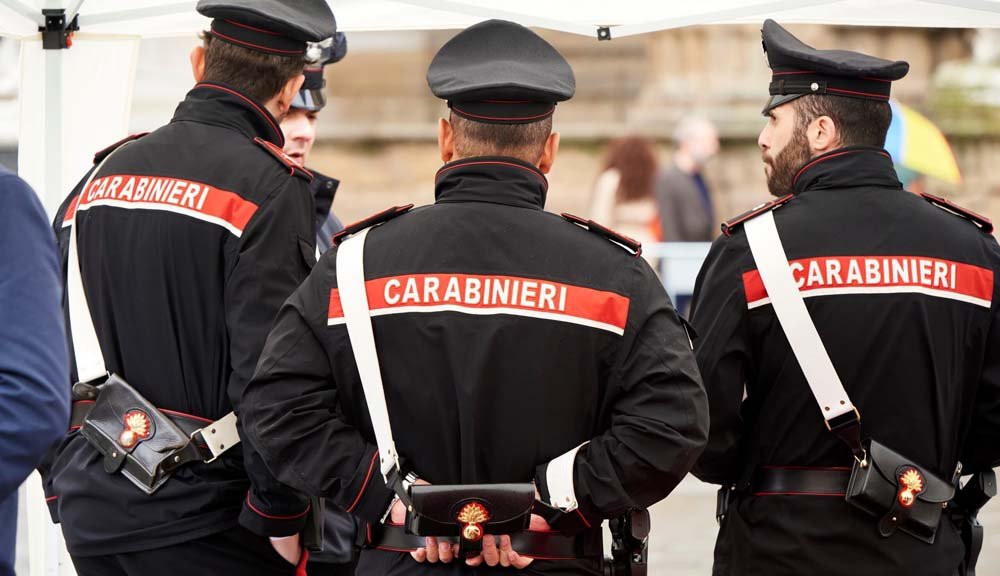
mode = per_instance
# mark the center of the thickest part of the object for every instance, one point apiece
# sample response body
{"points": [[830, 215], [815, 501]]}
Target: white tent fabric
{"points": [[74, 102], [59, 133], [171, 17]]}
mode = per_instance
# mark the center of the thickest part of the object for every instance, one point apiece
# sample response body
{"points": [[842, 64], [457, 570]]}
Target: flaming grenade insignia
{"points": [[471, 516], [136, 428], [911, 484]]}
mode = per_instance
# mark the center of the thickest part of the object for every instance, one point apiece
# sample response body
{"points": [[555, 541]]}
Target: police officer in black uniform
{"points": [[903, 292], [190, 238], [515, 345], [299, 127]]}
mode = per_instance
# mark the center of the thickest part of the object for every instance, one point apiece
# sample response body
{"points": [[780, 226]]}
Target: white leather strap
{"points": [[357, 316], [86, 347], [559, 480], [219, 436], [772, 264]]}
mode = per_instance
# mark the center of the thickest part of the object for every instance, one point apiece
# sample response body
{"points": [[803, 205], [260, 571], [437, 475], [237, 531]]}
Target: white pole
{"points": [[53, 191]]}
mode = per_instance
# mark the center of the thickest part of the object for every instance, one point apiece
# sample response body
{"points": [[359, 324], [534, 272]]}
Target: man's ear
{"points": [[549, 153], [823, 135], [446, 140], [198, 63], [287, 94]]}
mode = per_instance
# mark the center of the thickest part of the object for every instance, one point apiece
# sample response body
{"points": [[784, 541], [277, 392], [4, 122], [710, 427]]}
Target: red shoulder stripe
{"points": [[978, 219], [383, 216], [728, 225], [630, 244], [294, 169], [102, 154]]}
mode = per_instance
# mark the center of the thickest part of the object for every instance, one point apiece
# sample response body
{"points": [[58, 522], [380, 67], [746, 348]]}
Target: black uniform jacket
{"points": [[190, 239], [324, 189], [904, 297], [507, 336]]}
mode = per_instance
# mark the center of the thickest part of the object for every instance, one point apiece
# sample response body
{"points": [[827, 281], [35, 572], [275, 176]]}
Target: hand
{"points": [[434, 551], [288, 548], [498, 550]]}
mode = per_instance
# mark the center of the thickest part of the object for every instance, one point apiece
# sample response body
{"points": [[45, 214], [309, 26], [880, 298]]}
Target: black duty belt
{"points": [[799, 481], [537, 545]]}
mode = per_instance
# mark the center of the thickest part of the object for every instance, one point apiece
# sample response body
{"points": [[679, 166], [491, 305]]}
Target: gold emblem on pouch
{"points": [[471, 516], [136, 429], [911, 484]]}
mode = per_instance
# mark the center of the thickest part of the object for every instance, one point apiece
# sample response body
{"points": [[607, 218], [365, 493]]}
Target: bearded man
{"points": [[901, 295]]}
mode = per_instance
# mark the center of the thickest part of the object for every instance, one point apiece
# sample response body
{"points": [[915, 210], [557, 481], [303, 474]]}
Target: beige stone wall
{"points": [[378, 133]]}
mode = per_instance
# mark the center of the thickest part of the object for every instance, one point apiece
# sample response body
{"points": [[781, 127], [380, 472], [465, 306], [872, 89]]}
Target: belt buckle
{"points": [[215, 436], [195, 440]]}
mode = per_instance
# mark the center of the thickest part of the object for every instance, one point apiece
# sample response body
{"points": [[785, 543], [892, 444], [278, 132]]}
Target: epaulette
{"points": [[728, 225], [293, 167], [984, 223], [633, 246], [383, 216], [104, 153]]}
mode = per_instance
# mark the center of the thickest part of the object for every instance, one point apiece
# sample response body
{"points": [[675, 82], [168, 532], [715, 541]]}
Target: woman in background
{"points": [[623, 193]]}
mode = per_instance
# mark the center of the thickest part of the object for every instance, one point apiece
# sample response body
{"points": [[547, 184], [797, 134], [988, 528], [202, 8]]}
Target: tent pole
{"points": [[53, 124], [491, 12], [714, 17]]}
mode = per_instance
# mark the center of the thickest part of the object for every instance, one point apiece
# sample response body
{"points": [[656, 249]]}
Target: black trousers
{"points": [[231, 553]]}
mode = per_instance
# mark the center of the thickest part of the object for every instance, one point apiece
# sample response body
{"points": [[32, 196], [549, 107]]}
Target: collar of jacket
{"points": [[496, 179], [220, 105], [324, 190], [847, 167]]}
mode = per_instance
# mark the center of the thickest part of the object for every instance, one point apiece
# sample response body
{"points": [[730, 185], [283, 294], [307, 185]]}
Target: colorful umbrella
{"points": [[917, 145]]}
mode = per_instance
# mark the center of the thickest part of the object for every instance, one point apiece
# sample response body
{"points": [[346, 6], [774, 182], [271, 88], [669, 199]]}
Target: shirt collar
{"points": [[496, 179], [221, 105], [847, 167]]}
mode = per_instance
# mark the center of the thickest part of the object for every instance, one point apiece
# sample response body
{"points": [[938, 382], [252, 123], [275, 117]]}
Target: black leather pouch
{"points": [[134, 437], [902, 495], [470, 512]]}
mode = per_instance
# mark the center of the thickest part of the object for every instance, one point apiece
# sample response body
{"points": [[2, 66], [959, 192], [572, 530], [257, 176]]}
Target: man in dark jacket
{"points": [[34, 399], [338, 555], [904, 297], [190, 238], [515, 345], [299, 127]]}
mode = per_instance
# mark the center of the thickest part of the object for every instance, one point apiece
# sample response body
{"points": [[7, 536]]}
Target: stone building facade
{"points": [[378, 132]]}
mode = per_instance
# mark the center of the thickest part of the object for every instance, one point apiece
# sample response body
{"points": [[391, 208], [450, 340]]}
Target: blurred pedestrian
{"points": [[34, 399], [623, 192], [683, 197]]}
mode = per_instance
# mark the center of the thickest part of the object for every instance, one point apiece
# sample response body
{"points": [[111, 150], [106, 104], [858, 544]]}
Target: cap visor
{"points": [[778, 100], [311, 100]]}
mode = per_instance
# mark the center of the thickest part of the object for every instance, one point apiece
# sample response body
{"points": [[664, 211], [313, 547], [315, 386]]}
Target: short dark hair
{"points": [[860, 122], [255, 74], [522, 141]]}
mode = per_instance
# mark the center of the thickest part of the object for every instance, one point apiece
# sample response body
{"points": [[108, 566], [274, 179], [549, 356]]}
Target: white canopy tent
{"points": [[75, 101]]}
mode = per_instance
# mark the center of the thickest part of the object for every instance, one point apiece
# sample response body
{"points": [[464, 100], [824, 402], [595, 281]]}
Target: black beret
{"points": [[273, 26], [798, 69], [499, 71]]}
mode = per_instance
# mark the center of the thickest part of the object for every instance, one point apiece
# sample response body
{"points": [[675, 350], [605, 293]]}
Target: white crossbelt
{"points": [[772, 264], [357, 316], [219, 436]]}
